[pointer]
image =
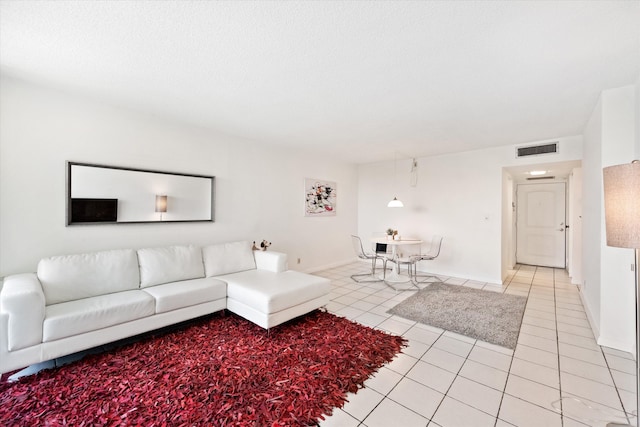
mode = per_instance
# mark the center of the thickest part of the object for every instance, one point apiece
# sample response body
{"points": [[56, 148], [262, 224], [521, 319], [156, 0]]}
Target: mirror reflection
{"points": [[99, 194]]}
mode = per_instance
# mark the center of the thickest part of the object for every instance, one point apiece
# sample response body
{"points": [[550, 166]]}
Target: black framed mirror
{"points": [[101, 194]]}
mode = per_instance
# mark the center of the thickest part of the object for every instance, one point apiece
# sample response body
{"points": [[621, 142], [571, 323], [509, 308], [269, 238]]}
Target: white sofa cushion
{"points": [[270, 292], [271, 261], [225, 258], [172, 296], [169, 264], [74, 277], [76, 317]]}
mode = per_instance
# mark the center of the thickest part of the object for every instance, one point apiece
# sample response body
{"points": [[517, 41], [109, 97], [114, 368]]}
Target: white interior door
{"points": [[540, 225]]}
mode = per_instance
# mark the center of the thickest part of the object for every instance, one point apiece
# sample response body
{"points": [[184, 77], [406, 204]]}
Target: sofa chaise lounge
{"points": [[76, 302]]}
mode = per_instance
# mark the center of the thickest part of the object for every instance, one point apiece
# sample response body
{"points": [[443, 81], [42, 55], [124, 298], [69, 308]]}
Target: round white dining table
{"points": [[396, 276]]}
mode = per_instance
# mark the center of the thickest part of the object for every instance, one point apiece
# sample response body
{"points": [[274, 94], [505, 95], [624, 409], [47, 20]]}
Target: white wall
{"points": [[608, 290], [508, 222], [591, 218], [575, 222], [459, 196], [259, 189]]}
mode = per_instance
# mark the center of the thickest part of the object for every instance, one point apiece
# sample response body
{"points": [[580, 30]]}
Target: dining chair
{"points": [[374, 257], [431, 254], [381, 249]]}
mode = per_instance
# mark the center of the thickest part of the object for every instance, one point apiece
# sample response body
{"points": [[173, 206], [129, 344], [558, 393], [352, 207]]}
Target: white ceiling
{"points": [[355, 80]]}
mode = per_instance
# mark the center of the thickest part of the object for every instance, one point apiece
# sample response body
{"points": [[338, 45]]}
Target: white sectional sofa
{"points": [[76, 302]]}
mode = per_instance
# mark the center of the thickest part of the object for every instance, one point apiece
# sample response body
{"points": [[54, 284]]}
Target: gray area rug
{"points": [[488, 316]]}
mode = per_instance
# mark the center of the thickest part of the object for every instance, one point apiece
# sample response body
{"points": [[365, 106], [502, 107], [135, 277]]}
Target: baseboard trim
{"points": [[592, 323], [318, 268]]}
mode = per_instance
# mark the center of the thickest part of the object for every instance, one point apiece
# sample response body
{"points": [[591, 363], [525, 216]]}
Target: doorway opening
{"points": [[542, 218]]}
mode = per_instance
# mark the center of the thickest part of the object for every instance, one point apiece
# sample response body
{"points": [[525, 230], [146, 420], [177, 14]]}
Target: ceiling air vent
{"points": [[536, 150]]}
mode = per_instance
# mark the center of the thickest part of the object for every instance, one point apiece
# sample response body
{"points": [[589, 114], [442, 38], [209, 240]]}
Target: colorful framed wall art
{"points": [[319, 197]]}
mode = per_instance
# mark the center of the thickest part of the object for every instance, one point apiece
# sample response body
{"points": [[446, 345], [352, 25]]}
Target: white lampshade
{"points": [[161, 203], [395, 203], [622, 205]]}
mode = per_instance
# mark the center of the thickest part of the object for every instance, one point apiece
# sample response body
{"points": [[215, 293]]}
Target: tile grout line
{"points": [[403, 376], [429, 420], [512, 357], [555, 316], [446, 393], [386, 396], [627, 414]]}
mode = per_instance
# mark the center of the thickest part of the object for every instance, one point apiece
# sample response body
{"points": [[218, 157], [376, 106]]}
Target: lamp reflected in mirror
{"points": [[161, 204]]}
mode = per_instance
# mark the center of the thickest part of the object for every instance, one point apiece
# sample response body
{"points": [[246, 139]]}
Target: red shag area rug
{"points": [[221, 370]]}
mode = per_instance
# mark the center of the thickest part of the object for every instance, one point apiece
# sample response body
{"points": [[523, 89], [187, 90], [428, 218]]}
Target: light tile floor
{"points": [[557, 376]]}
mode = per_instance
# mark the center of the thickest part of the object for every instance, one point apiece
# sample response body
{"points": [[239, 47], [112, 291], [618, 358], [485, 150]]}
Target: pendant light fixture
{"points": [[395, 203]]}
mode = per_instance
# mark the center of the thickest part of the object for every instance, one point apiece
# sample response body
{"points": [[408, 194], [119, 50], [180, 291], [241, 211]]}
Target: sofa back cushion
{"points": [[73, 277], [226, 258], [169, 264]]}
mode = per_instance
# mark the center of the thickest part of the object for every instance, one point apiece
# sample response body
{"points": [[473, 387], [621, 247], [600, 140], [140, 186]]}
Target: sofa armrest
{"points": [[271, 261], [22, 298]]}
